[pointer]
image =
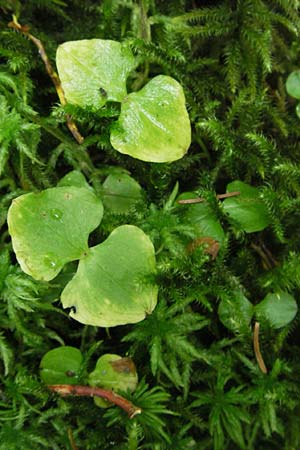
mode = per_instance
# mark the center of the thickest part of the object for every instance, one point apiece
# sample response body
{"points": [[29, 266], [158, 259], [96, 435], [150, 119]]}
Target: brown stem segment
{"points": [[201, 199], [88, 391], [51, 72], [71, 439], [257, 352]]}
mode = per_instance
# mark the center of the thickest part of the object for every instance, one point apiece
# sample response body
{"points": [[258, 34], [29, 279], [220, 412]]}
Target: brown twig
{"points": [[257, 352], [202, 199], [88, 391], [51, 72]]}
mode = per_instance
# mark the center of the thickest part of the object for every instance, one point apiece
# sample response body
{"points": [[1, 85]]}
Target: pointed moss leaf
{"points": [[236, 312], [94, 71], [50, 228], [61, 366], [120, 193], [278, 309], [293, 84], [154, 124], [247, 209], [113, 284], [202, 217], [74, 178], [115, 373]]}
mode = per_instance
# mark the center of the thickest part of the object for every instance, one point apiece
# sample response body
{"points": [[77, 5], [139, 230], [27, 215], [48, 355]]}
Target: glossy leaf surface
{"points": [[154, 124], [50, 228], [113, 283], [94, 71]]}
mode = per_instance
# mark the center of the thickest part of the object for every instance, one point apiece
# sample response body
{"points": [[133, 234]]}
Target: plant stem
{"points": [[202, 199], [51, 72], [88, 391], [257, 352]]}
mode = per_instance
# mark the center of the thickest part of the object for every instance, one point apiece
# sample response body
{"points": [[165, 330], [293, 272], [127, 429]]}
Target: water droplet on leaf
{"points": [[56, 214]]}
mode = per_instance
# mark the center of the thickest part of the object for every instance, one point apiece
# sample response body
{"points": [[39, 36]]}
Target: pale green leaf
{"points": [[154, 124], [50, 228], [74, 178], [94, 71], [113, 284]]}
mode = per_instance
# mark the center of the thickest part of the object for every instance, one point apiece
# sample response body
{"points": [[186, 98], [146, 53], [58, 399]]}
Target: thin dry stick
{"points": [[257, 352], [51, 72], [71, 439], [202, 199], [87, 391]]}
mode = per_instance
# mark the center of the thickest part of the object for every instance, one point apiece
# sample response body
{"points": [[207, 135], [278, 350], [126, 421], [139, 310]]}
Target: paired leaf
{"points": [[278, 309], [154, 124], [247, 208], [50, 228], [115, 373], [114, 281], [94, 71], [61, 366], [74, 178], [120, 193]]}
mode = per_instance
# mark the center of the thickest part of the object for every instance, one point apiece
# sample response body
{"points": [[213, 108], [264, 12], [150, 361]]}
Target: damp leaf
{"points": [[50, 228], [114, 281], [94, 71], [154, 124]]}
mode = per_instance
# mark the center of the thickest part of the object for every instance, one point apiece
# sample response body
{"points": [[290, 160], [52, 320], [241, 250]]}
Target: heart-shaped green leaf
{"points": [[94, 71], [293, 84], [50, 228], [247, 208], [278, 309], [154, 124], [61, 366], [114, 282], [115, 373], [236, 312], [120, 193]]}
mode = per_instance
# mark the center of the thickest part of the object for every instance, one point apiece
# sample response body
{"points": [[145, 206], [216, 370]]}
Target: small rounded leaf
{"points": [[74, 178], [114, 282], [94, 71], [278, 309], [154, 124], [115, 373], [293, 84], [247, 209], [50, 228], [236, 312], [61, 366], [202, 217], [120, 193]]}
